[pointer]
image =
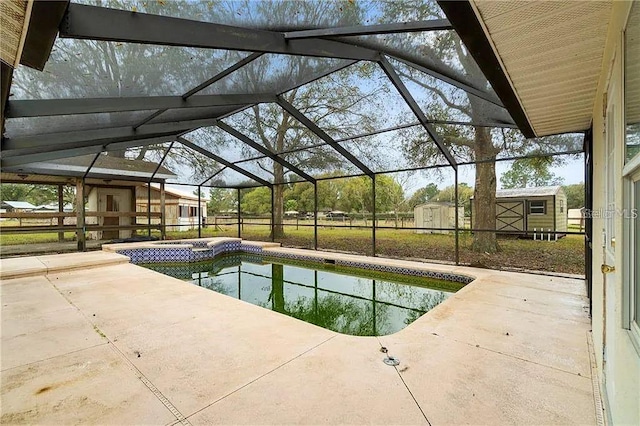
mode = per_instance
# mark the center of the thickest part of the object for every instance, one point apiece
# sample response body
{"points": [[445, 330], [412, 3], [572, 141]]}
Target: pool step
{"points": [[201, 249]]}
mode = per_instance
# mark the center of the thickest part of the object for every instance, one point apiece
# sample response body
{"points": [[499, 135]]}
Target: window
{"points": [[538, 207], [184, 211], [561, 206], [632, 84]]}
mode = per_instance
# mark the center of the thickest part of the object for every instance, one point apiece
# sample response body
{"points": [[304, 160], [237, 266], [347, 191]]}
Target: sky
{"points": [[571, 172]]}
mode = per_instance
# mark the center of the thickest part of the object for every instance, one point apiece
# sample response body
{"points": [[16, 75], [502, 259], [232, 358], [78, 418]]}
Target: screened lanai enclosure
{"points": [[341, 105]]}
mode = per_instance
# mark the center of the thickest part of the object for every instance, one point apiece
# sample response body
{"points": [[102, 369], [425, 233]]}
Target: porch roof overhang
{"points": [[543, 59]]}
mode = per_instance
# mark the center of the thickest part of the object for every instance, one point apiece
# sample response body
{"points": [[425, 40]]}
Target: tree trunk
{"points": [[485, 193], [278, 200]]}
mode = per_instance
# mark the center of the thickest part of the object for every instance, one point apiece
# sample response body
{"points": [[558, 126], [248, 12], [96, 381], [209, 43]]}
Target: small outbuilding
{"points": [[17, 206], [181, 208], [540, 210], [440, 216], [576, 217]]}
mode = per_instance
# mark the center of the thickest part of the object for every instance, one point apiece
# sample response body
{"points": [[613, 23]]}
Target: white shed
{"points": [[439, 215]]}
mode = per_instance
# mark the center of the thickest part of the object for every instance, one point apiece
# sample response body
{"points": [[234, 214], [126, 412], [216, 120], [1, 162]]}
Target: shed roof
{"points": [[19, 204], [539, 191], [436, 203], [180, 194]]}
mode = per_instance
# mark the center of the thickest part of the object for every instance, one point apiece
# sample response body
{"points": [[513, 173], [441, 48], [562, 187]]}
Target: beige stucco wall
{"points": [[621, 383], [95, 203]]}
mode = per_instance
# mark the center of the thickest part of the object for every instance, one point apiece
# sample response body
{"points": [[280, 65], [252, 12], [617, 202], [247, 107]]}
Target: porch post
{"points": [[373, 229], [133, 221], [163, 223], [148, 207], [273, 215], [60, 210], [239, 216], [80, 215], [199, 214], [457, 225], [315, 215]]}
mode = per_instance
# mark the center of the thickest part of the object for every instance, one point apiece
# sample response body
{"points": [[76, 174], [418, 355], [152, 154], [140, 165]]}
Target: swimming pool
{"points": [[346, 300]]}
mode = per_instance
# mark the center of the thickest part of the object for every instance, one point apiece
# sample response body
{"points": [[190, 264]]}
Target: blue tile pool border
{"points": [[198, 251]]}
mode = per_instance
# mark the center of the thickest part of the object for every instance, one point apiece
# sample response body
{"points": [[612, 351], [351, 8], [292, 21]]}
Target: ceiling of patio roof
{"points": [[552, 54]]}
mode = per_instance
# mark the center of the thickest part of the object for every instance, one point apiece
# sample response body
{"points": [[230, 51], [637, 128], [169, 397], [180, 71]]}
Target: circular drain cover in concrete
{"points": [[391, 361]]}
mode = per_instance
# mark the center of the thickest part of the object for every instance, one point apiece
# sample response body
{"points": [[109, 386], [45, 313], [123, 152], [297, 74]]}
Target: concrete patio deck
{"points": [[90, 338]]}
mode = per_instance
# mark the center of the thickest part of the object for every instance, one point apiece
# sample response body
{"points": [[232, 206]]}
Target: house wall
{"points": [[621, 386]]}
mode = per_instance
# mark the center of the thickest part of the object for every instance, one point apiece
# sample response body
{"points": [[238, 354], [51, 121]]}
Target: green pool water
{"points": [[347, 300]]}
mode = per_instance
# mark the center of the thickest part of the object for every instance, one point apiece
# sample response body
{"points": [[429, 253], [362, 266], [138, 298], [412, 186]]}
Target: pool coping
{"points": [[195, 250]]}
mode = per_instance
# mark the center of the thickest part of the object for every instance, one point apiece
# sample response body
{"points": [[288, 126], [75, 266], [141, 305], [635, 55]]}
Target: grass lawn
{"points": [[35, 238], [566, 255]]}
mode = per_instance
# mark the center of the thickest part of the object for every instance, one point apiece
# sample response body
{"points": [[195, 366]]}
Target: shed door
{"points": [[510, 215], [112, 205], [431, 218]]}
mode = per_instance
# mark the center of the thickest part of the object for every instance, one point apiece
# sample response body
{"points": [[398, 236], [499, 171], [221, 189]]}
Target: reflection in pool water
{"points": [[364, 304]]}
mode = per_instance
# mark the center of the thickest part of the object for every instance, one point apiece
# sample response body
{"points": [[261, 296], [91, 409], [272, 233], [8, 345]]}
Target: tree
{"points": [[15, 191], [35, 194], [329, 103], [575, 195], [358, 194], [392, 190], [302, 194], [220, 200], [291, 205], [465, 192], [337, 103], [441, 101], [331, 195], [256, 201], [528, 172], [423, 195]]}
